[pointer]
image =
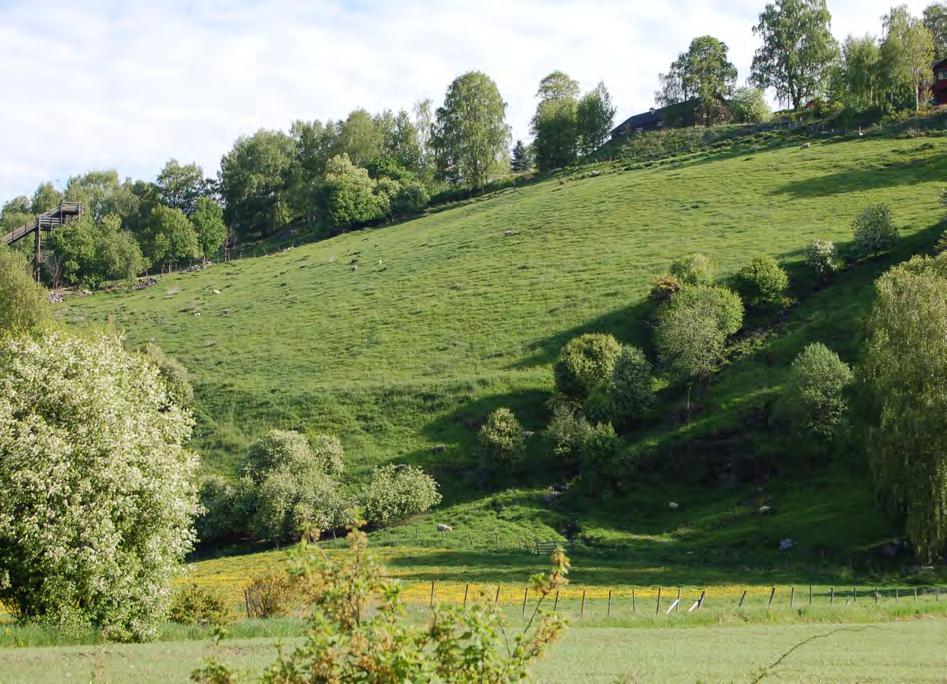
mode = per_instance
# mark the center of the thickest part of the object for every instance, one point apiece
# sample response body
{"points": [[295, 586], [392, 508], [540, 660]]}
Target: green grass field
{"points": [[909, 651]]}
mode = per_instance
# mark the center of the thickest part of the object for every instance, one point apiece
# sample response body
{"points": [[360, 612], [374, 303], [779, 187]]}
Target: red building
{"points": [[940, 82]]}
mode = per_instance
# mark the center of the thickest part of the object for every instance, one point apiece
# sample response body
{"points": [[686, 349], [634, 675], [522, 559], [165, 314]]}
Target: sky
{"points": [[91, 84]]}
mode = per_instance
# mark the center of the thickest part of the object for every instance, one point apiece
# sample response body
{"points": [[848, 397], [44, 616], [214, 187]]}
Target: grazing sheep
{"points": [[763, 510], [806, 146], [673, 505], [442, 527]]}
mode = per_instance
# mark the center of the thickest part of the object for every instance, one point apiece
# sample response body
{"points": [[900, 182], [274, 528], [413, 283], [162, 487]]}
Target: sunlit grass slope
{"points": [[403, 337]]}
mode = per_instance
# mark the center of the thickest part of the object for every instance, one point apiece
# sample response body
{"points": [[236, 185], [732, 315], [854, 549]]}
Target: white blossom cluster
{"points": [[97, 492]]}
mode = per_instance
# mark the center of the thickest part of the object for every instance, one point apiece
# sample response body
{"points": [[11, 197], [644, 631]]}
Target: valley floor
{"points": [[912, 651]]}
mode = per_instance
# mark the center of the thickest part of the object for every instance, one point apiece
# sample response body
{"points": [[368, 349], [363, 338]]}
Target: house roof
{"points": [[656, 116]]}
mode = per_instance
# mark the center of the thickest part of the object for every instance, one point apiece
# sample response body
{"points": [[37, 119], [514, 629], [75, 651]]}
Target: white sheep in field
{"points": [[673, 505], [442, 527]]}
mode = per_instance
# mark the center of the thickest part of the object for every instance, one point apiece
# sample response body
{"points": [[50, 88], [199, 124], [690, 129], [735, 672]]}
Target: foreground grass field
{"points": [[914, 651]]}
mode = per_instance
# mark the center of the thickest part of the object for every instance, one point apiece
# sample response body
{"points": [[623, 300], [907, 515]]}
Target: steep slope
{"points": [[380, 335]]}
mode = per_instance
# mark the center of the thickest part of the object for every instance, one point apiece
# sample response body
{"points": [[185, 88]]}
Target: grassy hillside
{"points": [[401, 338]]}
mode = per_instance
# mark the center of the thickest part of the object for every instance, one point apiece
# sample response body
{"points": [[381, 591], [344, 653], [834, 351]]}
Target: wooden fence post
{"points": [[832, 596], [792, 597], [915, 593], [608, 613], [634, 603], [555, 605], [582, 608], [897, 594], [810, 594], [742, 597], [496, 599], [432, 593], [772, 593], [854, 595], [657, 609], [466, 588], [246, 598], [678, 601], [525, 594]]}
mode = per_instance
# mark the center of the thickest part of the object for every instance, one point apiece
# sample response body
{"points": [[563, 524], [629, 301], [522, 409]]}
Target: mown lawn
{"points": [[910, 651]]}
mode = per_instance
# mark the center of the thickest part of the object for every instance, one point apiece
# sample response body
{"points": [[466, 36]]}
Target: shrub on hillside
{"points": [[410, 199], [585, 362], [396, 492], [693, 327], [23, 301], [501, 438], [99, 492], [227, 509], [272, 593], [763, 282], [631, 388], [573, 438], [327, 454], [194, 605], [173, 373], [874, 230], [279, 449], [293, 502], [813, 400], [821, 258], [693, 269], [665, 287]]}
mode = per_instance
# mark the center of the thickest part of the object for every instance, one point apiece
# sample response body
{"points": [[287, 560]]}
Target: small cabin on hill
{"points": [[940, 82]]}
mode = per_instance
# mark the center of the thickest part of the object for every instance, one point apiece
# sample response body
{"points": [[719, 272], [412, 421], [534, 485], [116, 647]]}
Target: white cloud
{"points": [[104, 83]]}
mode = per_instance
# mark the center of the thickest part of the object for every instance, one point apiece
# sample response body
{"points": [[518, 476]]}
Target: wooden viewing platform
{"points": [[48, 221]]}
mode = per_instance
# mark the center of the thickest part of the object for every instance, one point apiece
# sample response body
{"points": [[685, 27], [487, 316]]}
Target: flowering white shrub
{"points": [[98, 491], [398, 491]]}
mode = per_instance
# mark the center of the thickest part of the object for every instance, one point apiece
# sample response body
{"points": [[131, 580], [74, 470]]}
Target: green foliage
{"points": [[279, 449], [350, 194], [227, 509], [594, 119], [763, 282], [172, 238], [693, 269], [357, 630], [521, 160], [693, 327], [703, 73], [252, 182], [941, 245], [396, 492], [118, 256], [907, 54], [748, 105], [665, 287], [576, 441], [24, 304], [99, 492], [821, 259], [411, 198], [631, 387], [798, 49], [181, 186], [175, 375], [903, 378], [208, 221], [554, 126], [857, 80], [195, 605], [813, 399], [102, 194], [585, 362], [293, 501], [935, 19], [328, 454], [272, 593], [470, 135], [874, 230], [501, 438]]}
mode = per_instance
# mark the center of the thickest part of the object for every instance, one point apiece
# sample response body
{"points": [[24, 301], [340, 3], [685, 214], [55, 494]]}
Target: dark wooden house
{"points": [[678, 115], [939, 89]]}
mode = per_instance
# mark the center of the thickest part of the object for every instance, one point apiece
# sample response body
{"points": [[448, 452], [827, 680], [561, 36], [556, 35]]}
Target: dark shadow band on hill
{"points": [[888, 174]]}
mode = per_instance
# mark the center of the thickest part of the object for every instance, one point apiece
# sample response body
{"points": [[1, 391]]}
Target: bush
{"points": [[585, 362], [874, 230], [194, 605], [271, 594], [410, 199], [576, 441], [813, 399], [693, 269], [941, 245], [631, 389], [398, 491], [173, 373], [279, 449], [749, 106], [328, 455], [501, 438], [358, 630], [665, 287], [292, 502], [228, 508], [821, 258], [24, 303], [763, 282], [99, 492], [693, 327]]}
